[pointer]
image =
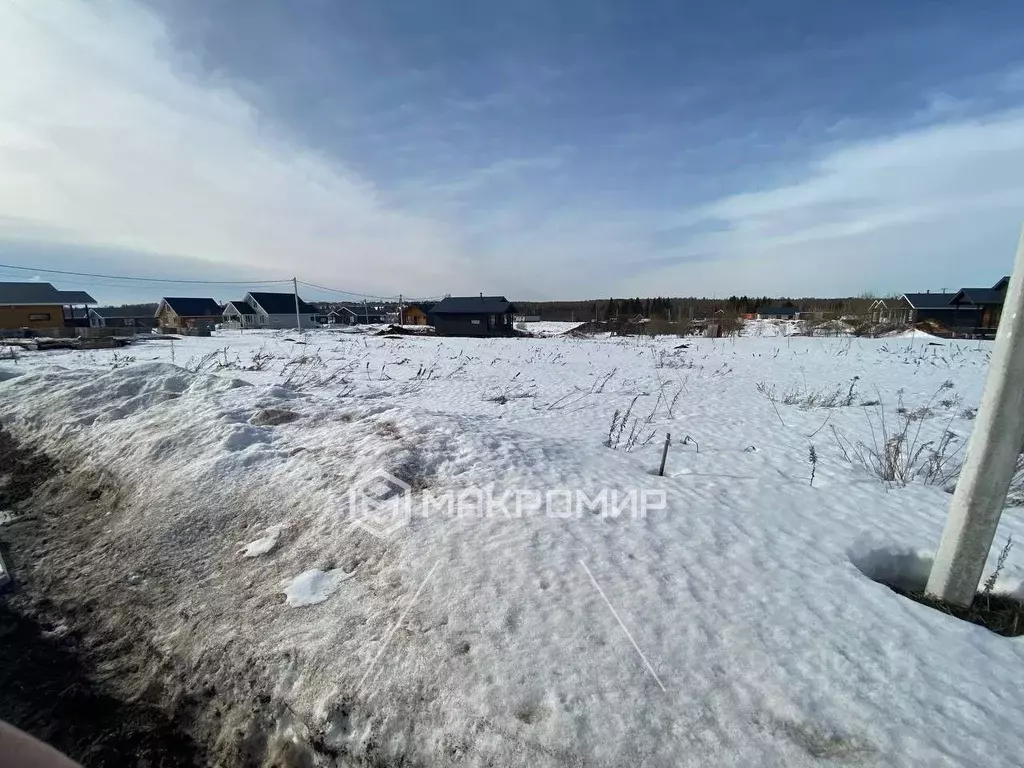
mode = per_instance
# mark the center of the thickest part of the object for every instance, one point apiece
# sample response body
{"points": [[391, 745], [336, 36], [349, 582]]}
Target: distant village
{"points": [[38, 308]]}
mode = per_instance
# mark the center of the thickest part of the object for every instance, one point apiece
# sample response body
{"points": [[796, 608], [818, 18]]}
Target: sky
{"points": [[535, 149]]}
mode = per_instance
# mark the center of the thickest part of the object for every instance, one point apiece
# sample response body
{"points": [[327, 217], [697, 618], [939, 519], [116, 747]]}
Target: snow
{"points": [[313, 586], [264, 545], [548, 327], [480, 637]]}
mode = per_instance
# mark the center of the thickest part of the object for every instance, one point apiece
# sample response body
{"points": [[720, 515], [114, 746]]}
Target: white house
{"points": [[269, 310]]}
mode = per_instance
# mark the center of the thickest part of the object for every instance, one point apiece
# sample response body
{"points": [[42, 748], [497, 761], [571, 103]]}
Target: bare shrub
{"points": [[840, 396], [628, 431], [898, 454]]}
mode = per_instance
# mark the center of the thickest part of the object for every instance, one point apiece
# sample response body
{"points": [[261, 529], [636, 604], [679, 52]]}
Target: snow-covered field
{"points": [[728, 622]]}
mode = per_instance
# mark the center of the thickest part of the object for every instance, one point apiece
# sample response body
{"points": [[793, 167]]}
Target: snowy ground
{"points": [[729, 625]]}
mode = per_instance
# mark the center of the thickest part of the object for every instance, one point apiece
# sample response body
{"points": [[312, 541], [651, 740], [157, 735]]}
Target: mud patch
{"points": [[47, 693], [21, 471]]}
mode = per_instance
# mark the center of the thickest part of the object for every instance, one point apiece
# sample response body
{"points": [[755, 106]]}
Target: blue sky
{"points": [[537, 149]]}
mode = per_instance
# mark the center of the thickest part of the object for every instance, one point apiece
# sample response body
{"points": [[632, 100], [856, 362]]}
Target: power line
{"points": [[346, 293], [143, 279], [171, 281]]}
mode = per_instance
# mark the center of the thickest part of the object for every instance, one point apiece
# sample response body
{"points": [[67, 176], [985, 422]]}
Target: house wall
{"points": [[464, 325], [288, 321], [414, 316], [166, 318], [13, 318]]}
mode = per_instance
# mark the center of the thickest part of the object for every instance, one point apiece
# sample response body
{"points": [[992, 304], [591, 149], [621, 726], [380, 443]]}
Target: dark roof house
{"points": [[279, 303], [184, 306], [26, 294], [789, 312], [972, 311], [473, 316], [928, 300], [40, 305]]}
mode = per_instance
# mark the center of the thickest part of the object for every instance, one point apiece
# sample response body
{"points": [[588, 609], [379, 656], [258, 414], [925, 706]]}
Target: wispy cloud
{"points": [[941, 204], [109, 138]]}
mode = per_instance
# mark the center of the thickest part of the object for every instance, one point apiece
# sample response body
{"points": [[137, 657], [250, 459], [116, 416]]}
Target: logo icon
{"points": [[380, 504]]}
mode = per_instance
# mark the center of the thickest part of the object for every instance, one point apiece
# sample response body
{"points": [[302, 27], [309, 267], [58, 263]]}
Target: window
{"points": [[475, 321], [38, 316]]}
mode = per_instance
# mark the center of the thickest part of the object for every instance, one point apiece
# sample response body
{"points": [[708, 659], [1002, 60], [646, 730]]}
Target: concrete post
{"points": [[295, 290], [992, 455]]}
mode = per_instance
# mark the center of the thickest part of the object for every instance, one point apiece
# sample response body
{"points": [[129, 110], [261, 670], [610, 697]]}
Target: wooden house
{"points": [[40, 306], [417, 314], [178, 313]]}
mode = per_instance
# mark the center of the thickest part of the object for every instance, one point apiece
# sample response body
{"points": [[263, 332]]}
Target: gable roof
{"points": [[473, 305], [978, 296], [778, 311], [280, 303], [184, 306], [929, 300], [422, 306], [40, 293], [241, 307], [1002, 283]]}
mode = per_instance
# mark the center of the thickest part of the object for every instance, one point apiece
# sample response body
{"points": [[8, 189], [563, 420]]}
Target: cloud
{"points": [[109, 138], [939, 206]]}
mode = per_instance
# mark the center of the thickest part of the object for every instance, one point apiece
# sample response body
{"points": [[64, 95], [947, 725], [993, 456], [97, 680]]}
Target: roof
{"points": [[473, 305], [40, 293], [243, 307], [423, 306], [132, 310], [184, 306], [929, 300], [778, 311], [76, 297], [1002, 284], [281, 303], [978, 296]]}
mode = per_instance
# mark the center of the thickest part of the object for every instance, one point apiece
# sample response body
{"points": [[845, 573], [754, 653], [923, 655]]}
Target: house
{"points": [[473, 316], [270, 310], [359, 314], [923, 307], [127, 316], [777, 313], [971, 311], [417, 314], [41, 306], [527, 318], [984, 305], [180, 313]]}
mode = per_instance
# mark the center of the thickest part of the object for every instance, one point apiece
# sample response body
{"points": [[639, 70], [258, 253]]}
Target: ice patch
{"points": [[314, 586], [264, 545]]}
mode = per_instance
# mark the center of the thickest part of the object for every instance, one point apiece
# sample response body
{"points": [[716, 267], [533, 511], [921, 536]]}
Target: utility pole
{"points": [[295, 289], [366, 313], [401, 311], [991, 459]]}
